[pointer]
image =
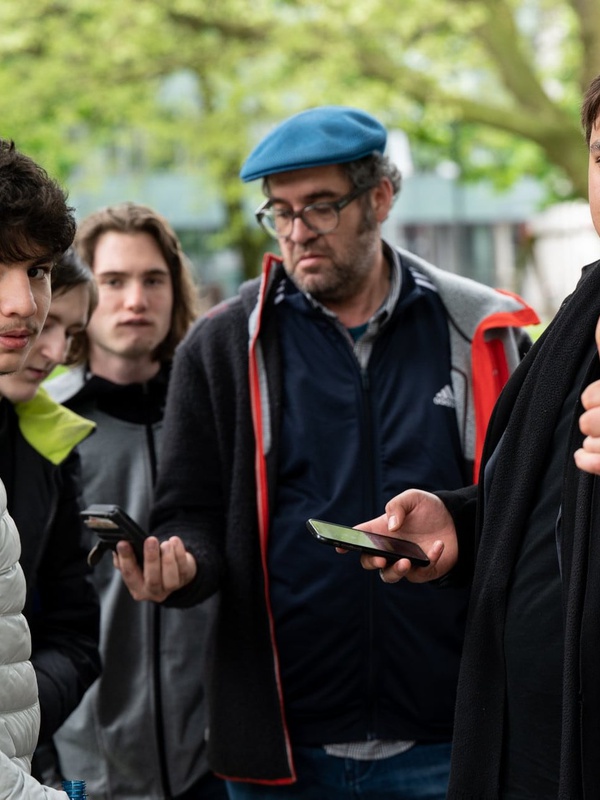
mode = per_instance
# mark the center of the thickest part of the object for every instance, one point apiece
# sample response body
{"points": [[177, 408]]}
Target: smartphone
{"points": [[111, 525], [373, 543]]}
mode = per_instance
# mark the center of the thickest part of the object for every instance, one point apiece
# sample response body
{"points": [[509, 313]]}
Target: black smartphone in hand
{"points": [[373, 543], [112, 524]]}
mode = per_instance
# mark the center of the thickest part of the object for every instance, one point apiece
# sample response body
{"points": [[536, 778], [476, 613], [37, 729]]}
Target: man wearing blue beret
{"points": [[349, 369]]}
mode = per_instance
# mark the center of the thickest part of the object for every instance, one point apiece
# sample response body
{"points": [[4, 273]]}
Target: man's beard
{"points": [[350, 270]]}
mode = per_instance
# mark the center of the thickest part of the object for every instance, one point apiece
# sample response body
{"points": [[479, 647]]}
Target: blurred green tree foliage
{"points": [[494, 86]]}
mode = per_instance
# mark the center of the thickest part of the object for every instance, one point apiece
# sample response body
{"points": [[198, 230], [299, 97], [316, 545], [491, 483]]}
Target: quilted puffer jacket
{"points": [[19, 709]]}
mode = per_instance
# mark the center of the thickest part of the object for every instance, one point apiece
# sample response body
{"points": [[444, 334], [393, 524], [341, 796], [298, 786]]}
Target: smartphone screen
{"points": [[374, 543]]}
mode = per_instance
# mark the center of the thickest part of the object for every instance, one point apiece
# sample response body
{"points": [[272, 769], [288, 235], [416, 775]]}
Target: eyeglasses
{"points": [[277, 218]]}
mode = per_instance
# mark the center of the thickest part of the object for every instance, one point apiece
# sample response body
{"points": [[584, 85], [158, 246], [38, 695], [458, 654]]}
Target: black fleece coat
{"points": [[213, 363], [526, 415]]}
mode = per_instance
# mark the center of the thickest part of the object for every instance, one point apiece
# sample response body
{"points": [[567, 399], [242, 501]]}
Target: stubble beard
{"points": [[349, 271]]}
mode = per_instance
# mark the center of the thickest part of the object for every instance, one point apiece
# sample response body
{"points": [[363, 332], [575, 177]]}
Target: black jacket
{"points": [[525, 418], [62, 606]]}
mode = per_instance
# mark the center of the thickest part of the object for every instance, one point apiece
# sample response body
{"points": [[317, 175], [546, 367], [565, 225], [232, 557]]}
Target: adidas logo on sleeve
{"points": [[445, 397]]}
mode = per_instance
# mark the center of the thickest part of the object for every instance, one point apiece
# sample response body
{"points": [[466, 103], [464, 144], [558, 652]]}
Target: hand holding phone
{"points": [[373, 543], [112, 524]]}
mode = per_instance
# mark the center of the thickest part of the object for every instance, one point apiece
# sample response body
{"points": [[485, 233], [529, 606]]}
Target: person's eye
{"points": [[282, 213], [71, 332], [39, 272], [322, 209]]}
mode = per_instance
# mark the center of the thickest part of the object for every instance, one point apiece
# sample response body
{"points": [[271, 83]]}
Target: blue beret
{"points": [[314, 138]]}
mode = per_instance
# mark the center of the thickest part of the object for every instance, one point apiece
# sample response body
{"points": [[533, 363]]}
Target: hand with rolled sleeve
{"points": [[420, 517], [587, 457], [167, 567]]}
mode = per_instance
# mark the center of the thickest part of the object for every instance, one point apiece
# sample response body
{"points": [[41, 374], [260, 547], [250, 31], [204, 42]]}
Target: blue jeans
{"points": [[420, 773]]}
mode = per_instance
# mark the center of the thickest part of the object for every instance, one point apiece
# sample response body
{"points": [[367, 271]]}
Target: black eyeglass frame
{"points": [[335, 205]]}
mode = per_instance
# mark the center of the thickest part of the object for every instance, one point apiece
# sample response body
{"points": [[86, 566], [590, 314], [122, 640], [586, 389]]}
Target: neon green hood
{"points": [[50, 428]]}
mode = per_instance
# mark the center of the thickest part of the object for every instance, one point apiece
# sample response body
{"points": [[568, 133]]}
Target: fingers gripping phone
{"points": [[111, 525], [373, 543]]}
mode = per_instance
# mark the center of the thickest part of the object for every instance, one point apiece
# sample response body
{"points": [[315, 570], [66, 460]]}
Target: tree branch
{"points": [[589, 33]]}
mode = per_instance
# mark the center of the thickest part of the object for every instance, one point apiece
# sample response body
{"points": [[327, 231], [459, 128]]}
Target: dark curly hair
{"points": [[35, 220], [370, 170]]}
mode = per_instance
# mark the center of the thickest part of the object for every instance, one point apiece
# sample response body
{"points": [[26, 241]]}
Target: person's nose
{"points": [[300, 232], [16, 295], [55, 345], [135, 298]]}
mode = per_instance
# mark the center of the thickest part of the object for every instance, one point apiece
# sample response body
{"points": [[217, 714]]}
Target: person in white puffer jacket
{"points": [[36, 227], [19, 709]]}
